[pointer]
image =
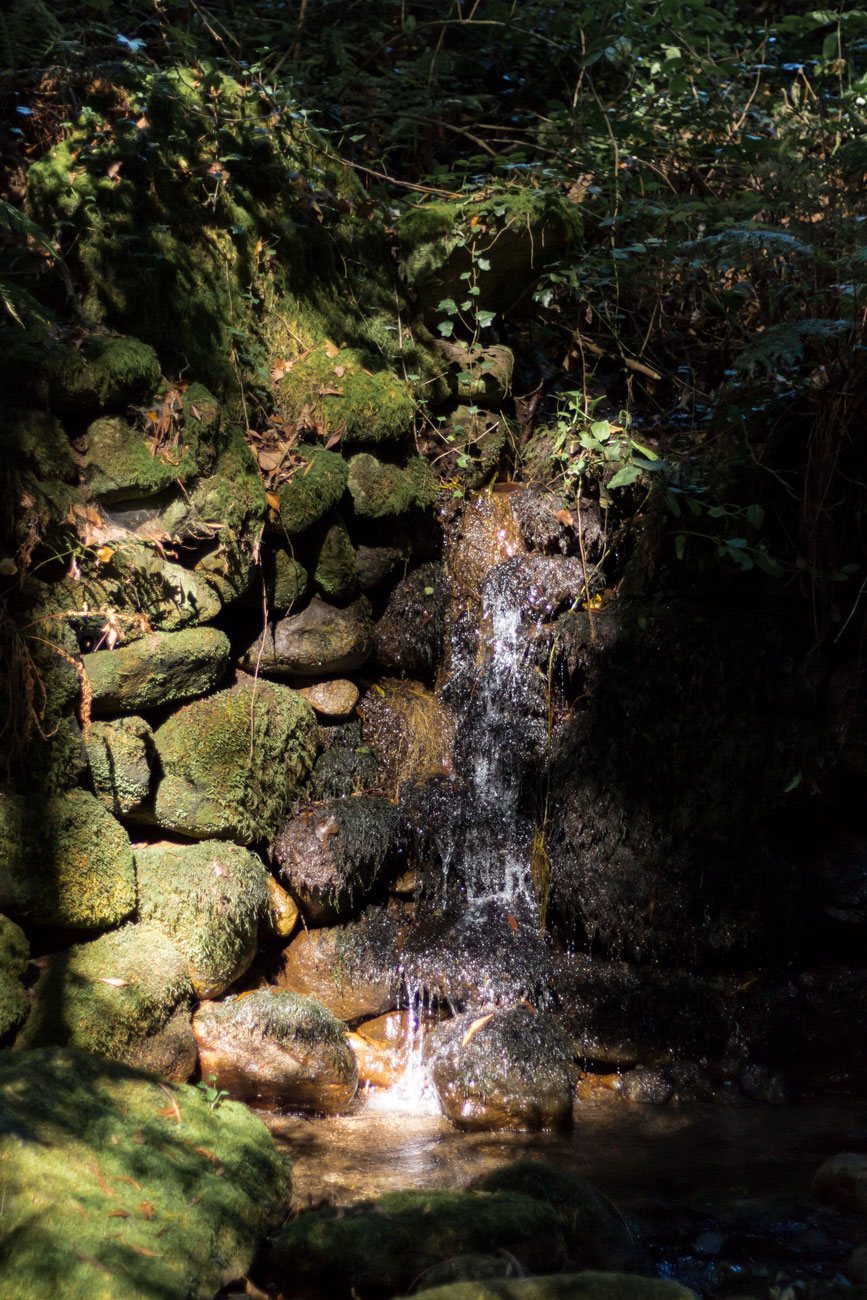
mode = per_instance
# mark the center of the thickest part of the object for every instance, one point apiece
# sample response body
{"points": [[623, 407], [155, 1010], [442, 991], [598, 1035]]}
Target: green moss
{"points": [[38, 440], [194, 1189], [109, 996], [202, 425], [75, 867], [286, 580], [315, 488], [285, 1017], [14, 952], [571, 1286], [380, 489], [163, 668], [14, 948], [231, 762], [335, 572], [120, 756], [209, 899], [340, 395], [120, 465], [104, 371]]}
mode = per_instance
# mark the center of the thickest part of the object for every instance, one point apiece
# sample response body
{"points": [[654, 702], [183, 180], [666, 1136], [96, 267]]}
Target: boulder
{"points": [[275, 1048], [120, 463], [117, 997], [282, 914], [163, 668], [14, 952], [70, 867], [285, 580], [315, 487], [382, 1048], [511, 1069], [376, 563], [572, 1286], [339, 394], [647, 1087], [335, 699], [209, 899], [232, 761], [120, 755], [408, 636], [410, 731], [120, 1187], [330, 855], [842, 1183], [380, 490], [320, 641], [352, 969]]}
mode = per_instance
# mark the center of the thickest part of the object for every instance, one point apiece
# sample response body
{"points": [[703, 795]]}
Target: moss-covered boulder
{"points": [[331, 855], [104, 371], [319, 641], [409, 634], [38, 440], [164, 668], [285, 580], [209, 899], [117, 997], [352, 969], [72, 866], [121, 464], [120, 755], [333, 561], [316, 486], [14, 952], [114, 1189], [381, 490], [347, 765], [336, 393], [232, 761], [278, 1049], [571, 1286]]}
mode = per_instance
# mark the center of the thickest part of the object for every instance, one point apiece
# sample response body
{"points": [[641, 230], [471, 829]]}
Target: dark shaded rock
{"points": [[332, 559], [285, 580], [376, 563], [275, 1048], [842, 1182], [769, 1086], [572, 1286], [352, 969], [320, 641], [164, 668], [511, 1069], [330, 855], [548, 523], [408, 636], [647, 1087], [120, 755]]}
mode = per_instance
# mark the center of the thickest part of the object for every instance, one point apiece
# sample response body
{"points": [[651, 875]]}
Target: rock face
{"points": [[120, 755], [85, 1139], [231, 761], [330, 855], [209, 899], [117, 997], [164, 668], [510, 1069], [320, 641], [409, 635], [277, 1049], [352, 969]]}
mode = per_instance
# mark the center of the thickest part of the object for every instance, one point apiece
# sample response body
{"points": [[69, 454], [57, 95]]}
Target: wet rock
{"points": [[116, 997], [70, 867], [410, 731], [381, 1247], [768, 1086], [352, 969], [84, 1139], [376, 563], [14, 951], [333, 561], [548, 523], [488, 535], [596, 1234], [231, 761], [282, 913], [691, 1082], [479, 375], [382, 1047], [648, 1087], [840, 875], [275, 1048], [120, 756], [380, 490], [408, 636], [842, 1183], [335, 699], [314, 489], [485, 956], [509, 1069], [538, 585], [330, 856], [319, 641], [598, 1087], [209, 899], [120, 464], [572, 1286], [164, 668], [346, 766]]}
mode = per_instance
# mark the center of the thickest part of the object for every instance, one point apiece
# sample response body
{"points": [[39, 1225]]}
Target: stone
{"points": [[282, 914], [374, 564], [335, 699], [409, 730], [647, 1087], [352, 969], [482, 376], [120, 464], [14, 952], [408, 636], [487, 535], [119, 1186], [842, 1183], [319, 641], [571, 1286], [382, 1048], [344, 396], [72, 867], [115, 997], [106, 371], [331, 855], [232, 761], [120, 755], [315, 488], [333, 561], [274, 1048], [285, 580], [381, 490], [346, 765], [506, 1069], [209, 899], [475, 441], [163, 668]]}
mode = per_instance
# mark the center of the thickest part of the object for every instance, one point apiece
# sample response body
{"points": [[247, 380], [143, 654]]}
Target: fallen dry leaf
{"points": [[564, 517], [475, 1027]]}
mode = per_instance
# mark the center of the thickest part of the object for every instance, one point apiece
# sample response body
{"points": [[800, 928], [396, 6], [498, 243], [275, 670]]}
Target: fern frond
{"points": [[742, 244], [27, 33], [782, 346]]}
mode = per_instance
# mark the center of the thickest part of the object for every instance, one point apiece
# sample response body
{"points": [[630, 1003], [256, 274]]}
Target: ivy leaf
{"points": [[485, 318], [628, 474], [448, 305], [446, 328]]}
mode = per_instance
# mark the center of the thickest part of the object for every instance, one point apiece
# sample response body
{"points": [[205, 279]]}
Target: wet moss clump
{"points": [[117, 1187], [340, 394], [14, 952], [346, 766], [109, 996], [285, 1017], [380, 489], [315, 488], [332, 854], [209, 899]]}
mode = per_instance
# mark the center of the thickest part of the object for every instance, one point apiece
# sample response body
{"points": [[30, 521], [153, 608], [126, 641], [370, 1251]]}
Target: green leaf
{"points": [[755, 515], [601, 429], [485, 318], [483, 264], [628, 474], [446, 328], [680, 545], [448, 305]]}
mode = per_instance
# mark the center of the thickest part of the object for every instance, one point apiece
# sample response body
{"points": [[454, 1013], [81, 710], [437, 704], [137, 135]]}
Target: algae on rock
{"points": [[380, 489], [314, 489], [120, 755]]}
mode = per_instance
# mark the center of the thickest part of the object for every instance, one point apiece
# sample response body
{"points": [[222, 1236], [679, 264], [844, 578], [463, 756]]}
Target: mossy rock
{"points": [[231, 762], [14, 952], [381, 1247], [209, 898], [381, 490], [114, 1190], [315, 488], [477, 440], [229, 504], [571, 1286], [285, 580], [163, 668], [377, 563], [75, 870], [338, 394], [482, 376], [37, 439], [334, 569], [120, 755], [120, 465], [104, 372], [346, 766], [112, 996]]}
